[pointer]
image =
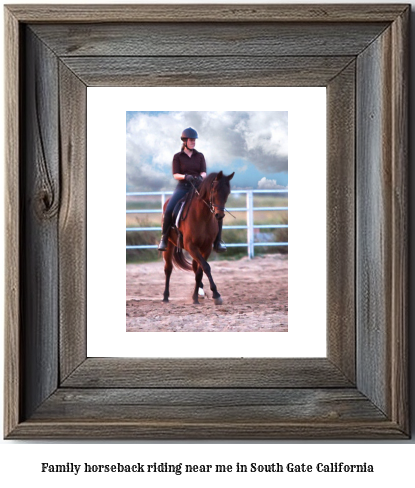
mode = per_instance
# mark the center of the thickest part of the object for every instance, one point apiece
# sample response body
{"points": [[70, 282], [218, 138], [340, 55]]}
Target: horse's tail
{"points": [[180, 261]]}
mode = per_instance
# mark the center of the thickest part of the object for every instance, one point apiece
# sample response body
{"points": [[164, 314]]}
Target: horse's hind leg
{"points": [[201, 291], [168, 268], [198, 277]]}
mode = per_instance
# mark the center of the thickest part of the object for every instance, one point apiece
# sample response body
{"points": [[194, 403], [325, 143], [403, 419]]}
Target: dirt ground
{"points": [[254, 292]]}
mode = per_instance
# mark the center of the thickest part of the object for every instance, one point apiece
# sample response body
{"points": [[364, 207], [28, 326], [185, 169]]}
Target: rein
{"points": [[211, 205]]}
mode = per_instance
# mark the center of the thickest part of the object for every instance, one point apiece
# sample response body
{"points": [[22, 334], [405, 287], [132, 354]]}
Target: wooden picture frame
{"points": [[360, 53]]}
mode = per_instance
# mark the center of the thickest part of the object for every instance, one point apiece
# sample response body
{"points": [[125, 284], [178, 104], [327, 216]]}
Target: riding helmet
{"points": [[189, 133]]}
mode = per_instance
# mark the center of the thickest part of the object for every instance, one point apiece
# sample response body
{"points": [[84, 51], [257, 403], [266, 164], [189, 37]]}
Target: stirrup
{"points": [[163, 243], [220, 246]]}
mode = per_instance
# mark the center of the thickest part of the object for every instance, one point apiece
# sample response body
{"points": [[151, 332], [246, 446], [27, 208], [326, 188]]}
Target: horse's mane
{"points": [[204, 190]]}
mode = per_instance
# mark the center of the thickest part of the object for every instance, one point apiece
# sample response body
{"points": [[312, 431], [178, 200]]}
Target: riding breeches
{"points": [[181, 190]]}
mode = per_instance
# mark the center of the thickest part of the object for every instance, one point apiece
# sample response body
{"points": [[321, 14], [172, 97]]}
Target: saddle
{"points": [[178, 216], [178, 210]]}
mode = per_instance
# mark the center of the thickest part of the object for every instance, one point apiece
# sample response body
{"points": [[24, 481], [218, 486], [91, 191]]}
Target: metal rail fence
{"points": [[249, 209]]}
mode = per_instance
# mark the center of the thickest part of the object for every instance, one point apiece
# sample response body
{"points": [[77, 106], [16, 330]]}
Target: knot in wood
{"points": [[46, 206]]}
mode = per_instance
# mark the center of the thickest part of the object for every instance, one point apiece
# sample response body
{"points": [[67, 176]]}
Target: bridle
{"points": [[211, 205]]}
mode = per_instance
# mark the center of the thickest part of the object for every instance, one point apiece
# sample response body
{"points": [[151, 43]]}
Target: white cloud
{"points": [[265, 184], [258, 138]]}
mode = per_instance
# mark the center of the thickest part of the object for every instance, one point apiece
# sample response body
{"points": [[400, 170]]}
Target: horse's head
{"points": [[215, 190], [219, 193]]}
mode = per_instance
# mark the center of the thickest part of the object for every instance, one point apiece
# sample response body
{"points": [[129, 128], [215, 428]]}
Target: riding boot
{"points": [[165, 233], [163, 243], [219, 245]]}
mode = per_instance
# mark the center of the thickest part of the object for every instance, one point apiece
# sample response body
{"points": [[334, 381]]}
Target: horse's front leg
{"points": [[168, 268], [198, 271], [196, 255]]}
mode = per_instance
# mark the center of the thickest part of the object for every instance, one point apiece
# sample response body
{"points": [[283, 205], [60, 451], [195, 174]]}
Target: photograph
{"points": [[207, 221], [70, 180]]}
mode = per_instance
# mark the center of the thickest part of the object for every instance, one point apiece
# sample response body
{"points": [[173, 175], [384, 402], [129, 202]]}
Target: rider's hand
{"points": [[189, 178]]}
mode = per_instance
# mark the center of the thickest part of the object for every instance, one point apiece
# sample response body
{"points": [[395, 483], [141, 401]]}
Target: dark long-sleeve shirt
{"points": [[184, 165]]}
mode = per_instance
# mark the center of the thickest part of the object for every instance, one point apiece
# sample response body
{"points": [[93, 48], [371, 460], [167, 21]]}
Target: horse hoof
{"points": [[218, 301], [165, 300]]}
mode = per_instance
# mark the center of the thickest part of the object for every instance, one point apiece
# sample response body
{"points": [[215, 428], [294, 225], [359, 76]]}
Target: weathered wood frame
{"points": [[359, 52]]}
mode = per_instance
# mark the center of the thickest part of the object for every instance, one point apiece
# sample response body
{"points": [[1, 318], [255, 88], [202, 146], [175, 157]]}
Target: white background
{"points": [[106, 210], [20, 461]]}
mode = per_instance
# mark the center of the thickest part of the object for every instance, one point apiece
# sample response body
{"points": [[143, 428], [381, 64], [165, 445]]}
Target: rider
{"points": [[189, 166]]}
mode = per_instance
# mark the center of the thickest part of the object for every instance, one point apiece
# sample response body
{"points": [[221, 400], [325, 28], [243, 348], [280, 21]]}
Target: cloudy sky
{"points": [[253, 144]]}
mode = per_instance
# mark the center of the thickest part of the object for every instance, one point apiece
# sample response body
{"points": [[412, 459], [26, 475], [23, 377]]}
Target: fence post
{"points": [[250, 222]]}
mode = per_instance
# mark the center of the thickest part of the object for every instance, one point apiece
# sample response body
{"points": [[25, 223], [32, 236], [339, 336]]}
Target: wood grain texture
{"points": [[213, 431], [373, 224], [341, 238], [197, 39], [382, 223], [205, 13], [206, 71], [206, 373], [13, 382], [72, 222], [40, 206], [209, 405], [57, 393], [400, 233]]}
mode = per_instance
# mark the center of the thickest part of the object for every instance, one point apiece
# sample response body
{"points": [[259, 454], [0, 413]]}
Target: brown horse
{"points": [[199, 230]]}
